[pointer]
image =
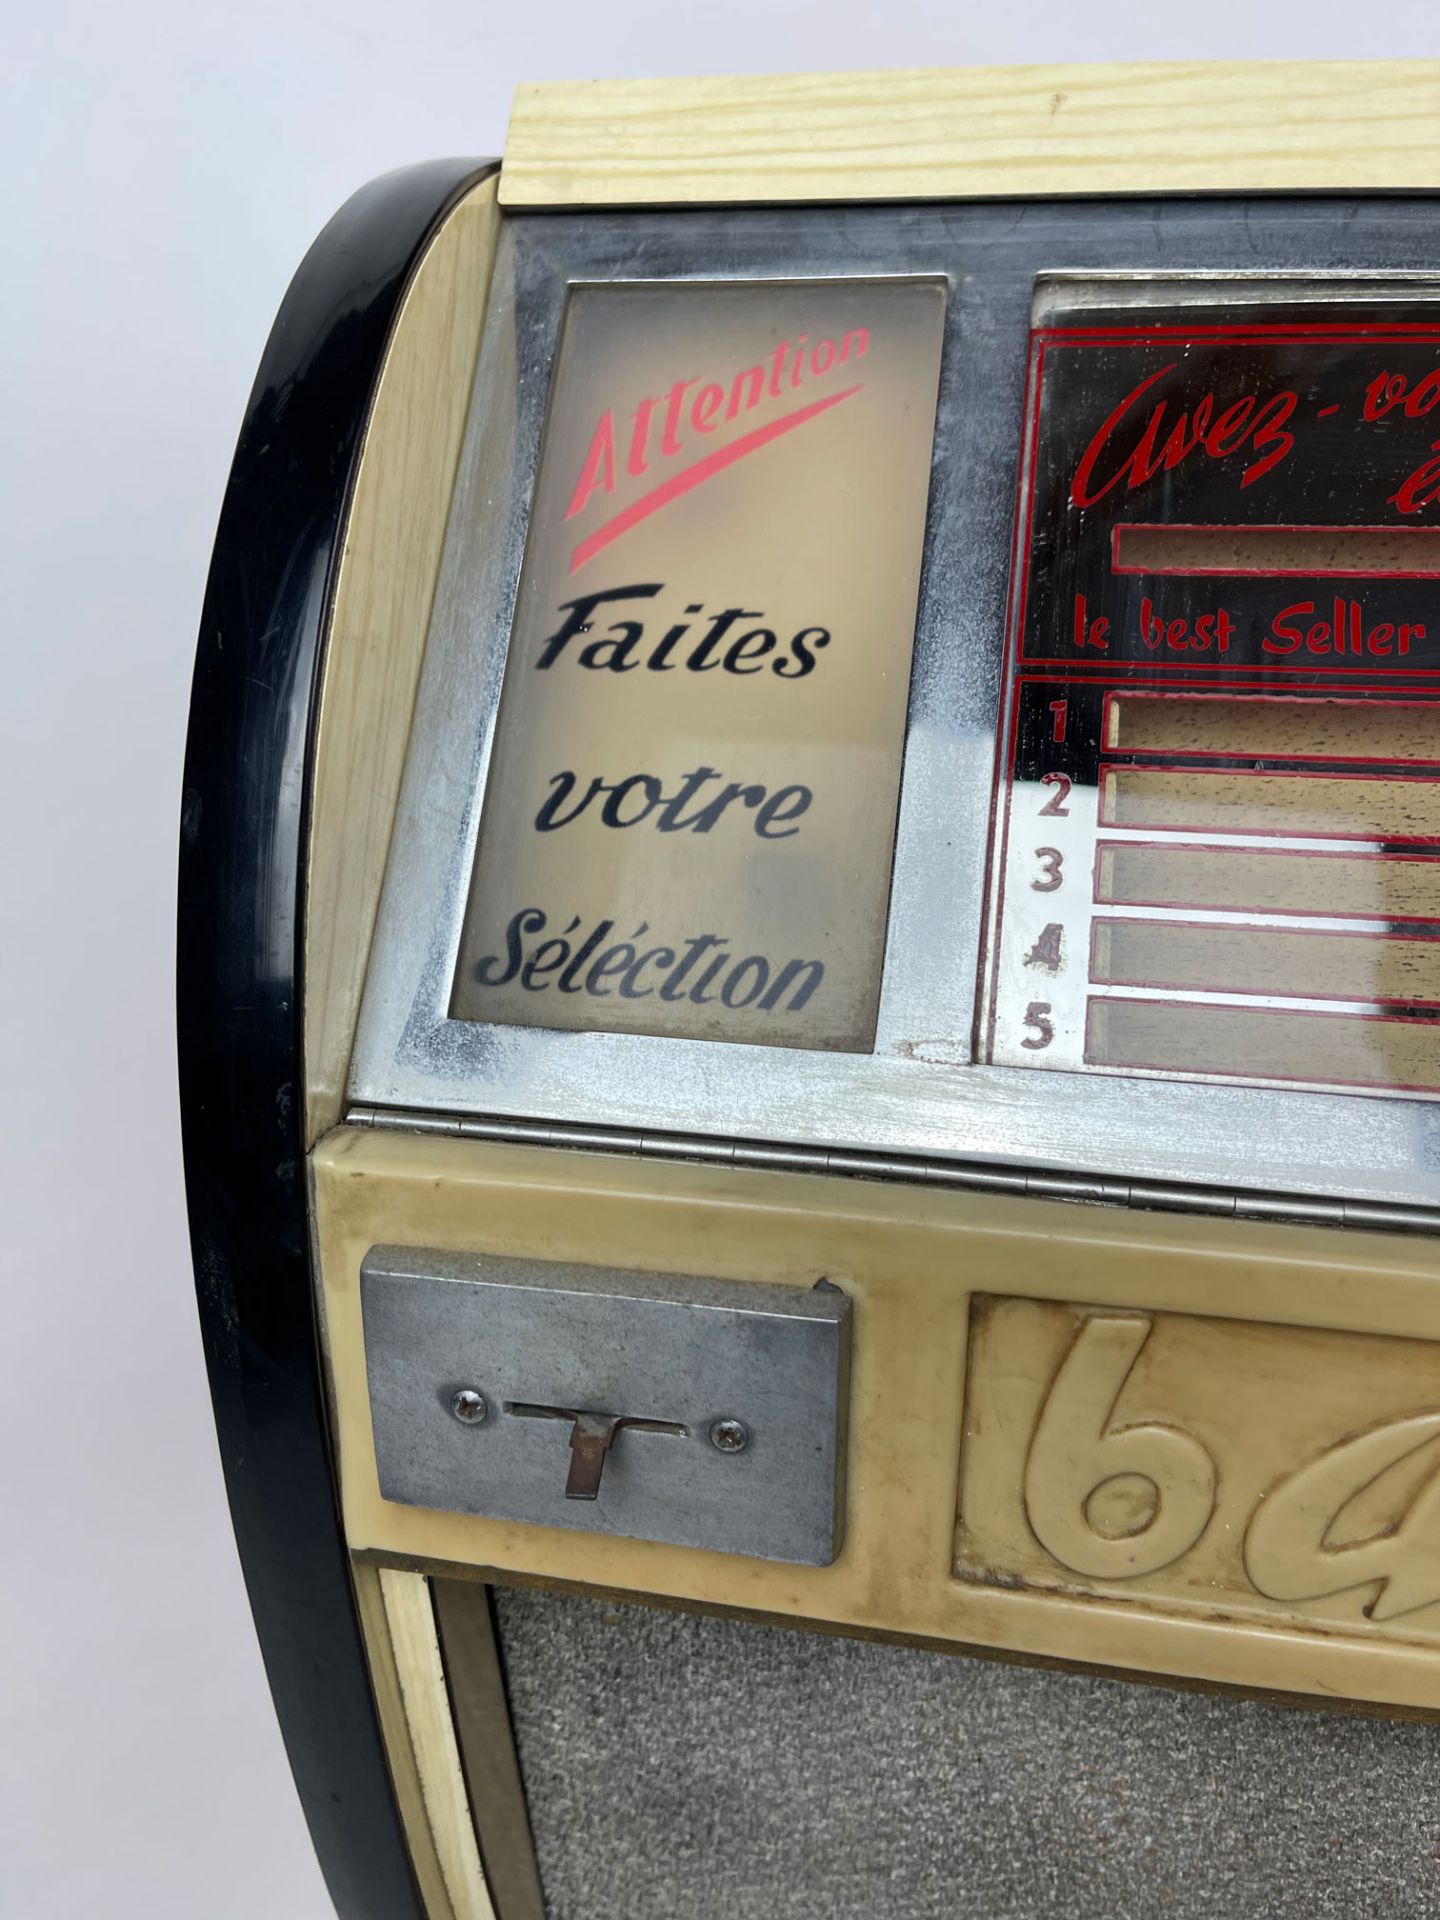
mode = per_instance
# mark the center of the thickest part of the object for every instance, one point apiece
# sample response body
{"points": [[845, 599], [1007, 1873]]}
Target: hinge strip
{"points": [[979, 1176]]}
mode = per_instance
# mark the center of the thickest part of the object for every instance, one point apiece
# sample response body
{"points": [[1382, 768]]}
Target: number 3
{"points": [[1052, 863]]}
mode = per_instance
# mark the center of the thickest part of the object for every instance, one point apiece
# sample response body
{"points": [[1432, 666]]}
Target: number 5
{"points": [[1037, 1018]]}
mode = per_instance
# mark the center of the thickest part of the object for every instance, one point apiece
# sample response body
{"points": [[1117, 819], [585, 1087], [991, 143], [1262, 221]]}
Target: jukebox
{"points": [[810, 1005]]}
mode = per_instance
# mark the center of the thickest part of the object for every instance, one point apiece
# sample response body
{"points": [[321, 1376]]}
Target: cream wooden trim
{"points": [[480, 1710], [399, 1749], [913, 1261], [377, 629], [410, 1616], [977, 133]]}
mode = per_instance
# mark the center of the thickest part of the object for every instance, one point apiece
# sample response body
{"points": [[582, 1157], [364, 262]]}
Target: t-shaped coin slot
{"points": [[591, 1437], [736, 1393]]}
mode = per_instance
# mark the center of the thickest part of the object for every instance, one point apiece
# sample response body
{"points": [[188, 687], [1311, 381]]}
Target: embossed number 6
{"points": [[1075, 1452]]}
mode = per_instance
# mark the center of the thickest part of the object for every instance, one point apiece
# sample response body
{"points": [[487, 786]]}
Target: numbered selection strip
{"points": [[1200, 862], [1267, 881], [1180, 971], [1285, 1046], [1365, 969], [1345, 1005], [1284, 727], [1176, 921], [1304, 804]]}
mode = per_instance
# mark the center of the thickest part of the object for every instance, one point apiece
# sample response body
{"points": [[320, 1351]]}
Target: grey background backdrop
{"points": [[165, 166]]}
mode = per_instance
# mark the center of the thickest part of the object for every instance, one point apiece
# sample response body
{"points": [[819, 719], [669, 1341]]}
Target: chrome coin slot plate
{"points": [[613, 1399]]}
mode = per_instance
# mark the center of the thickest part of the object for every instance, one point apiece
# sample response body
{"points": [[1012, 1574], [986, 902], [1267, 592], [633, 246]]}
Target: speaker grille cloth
{"points": [[684, 1768]]}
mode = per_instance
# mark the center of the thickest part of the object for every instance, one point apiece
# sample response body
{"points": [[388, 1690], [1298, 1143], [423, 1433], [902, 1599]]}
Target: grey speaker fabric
{"points": [[684, 1768]]}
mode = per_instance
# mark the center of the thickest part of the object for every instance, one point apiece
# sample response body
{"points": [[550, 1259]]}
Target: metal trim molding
{"points": [[1159, 1195]]}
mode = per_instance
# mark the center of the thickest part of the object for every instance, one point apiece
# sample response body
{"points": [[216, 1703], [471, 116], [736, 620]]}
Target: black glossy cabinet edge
{"points": [[239, 998]]}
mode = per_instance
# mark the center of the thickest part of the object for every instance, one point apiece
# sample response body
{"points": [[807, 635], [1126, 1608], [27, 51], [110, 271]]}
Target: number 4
{"points": [[1048, 950]]}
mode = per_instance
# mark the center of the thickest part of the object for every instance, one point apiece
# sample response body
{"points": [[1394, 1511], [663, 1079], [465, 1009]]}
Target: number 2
{"points": [[1055, 807]]}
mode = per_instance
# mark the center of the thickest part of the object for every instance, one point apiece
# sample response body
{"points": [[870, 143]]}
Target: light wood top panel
{"points": [[977, 133]]}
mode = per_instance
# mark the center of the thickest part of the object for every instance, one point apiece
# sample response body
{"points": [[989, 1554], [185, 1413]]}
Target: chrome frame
{"points": [[918, 1093]]}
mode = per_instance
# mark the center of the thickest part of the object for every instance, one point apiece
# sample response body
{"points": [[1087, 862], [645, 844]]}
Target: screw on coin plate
{"points": [[468, 1406], [729, 1436]]}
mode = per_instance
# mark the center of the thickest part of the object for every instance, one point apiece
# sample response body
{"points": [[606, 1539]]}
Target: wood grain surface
{"points": [[977, 133]]}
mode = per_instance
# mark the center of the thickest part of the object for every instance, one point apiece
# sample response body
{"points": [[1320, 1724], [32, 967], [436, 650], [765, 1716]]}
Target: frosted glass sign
{"points": [[691, 804]]}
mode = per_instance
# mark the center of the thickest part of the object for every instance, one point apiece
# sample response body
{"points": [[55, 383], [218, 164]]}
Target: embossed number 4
{"points": [[1286, 1552]]}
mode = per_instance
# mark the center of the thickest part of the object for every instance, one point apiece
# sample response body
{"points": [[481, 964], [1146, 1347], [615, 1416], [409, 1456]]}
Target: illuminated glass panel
{"points": [[1217, 848], [691, 803]]}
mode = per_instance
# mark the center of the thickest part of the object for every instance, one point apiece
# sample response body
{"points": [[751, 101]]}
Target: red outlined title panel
{"points": [[1224, 638]]}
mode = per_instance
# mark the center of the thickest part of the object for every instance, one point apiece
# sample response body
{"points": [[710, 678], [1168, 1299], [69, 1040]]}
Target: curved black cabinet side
{"points": [[239, 989]]}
